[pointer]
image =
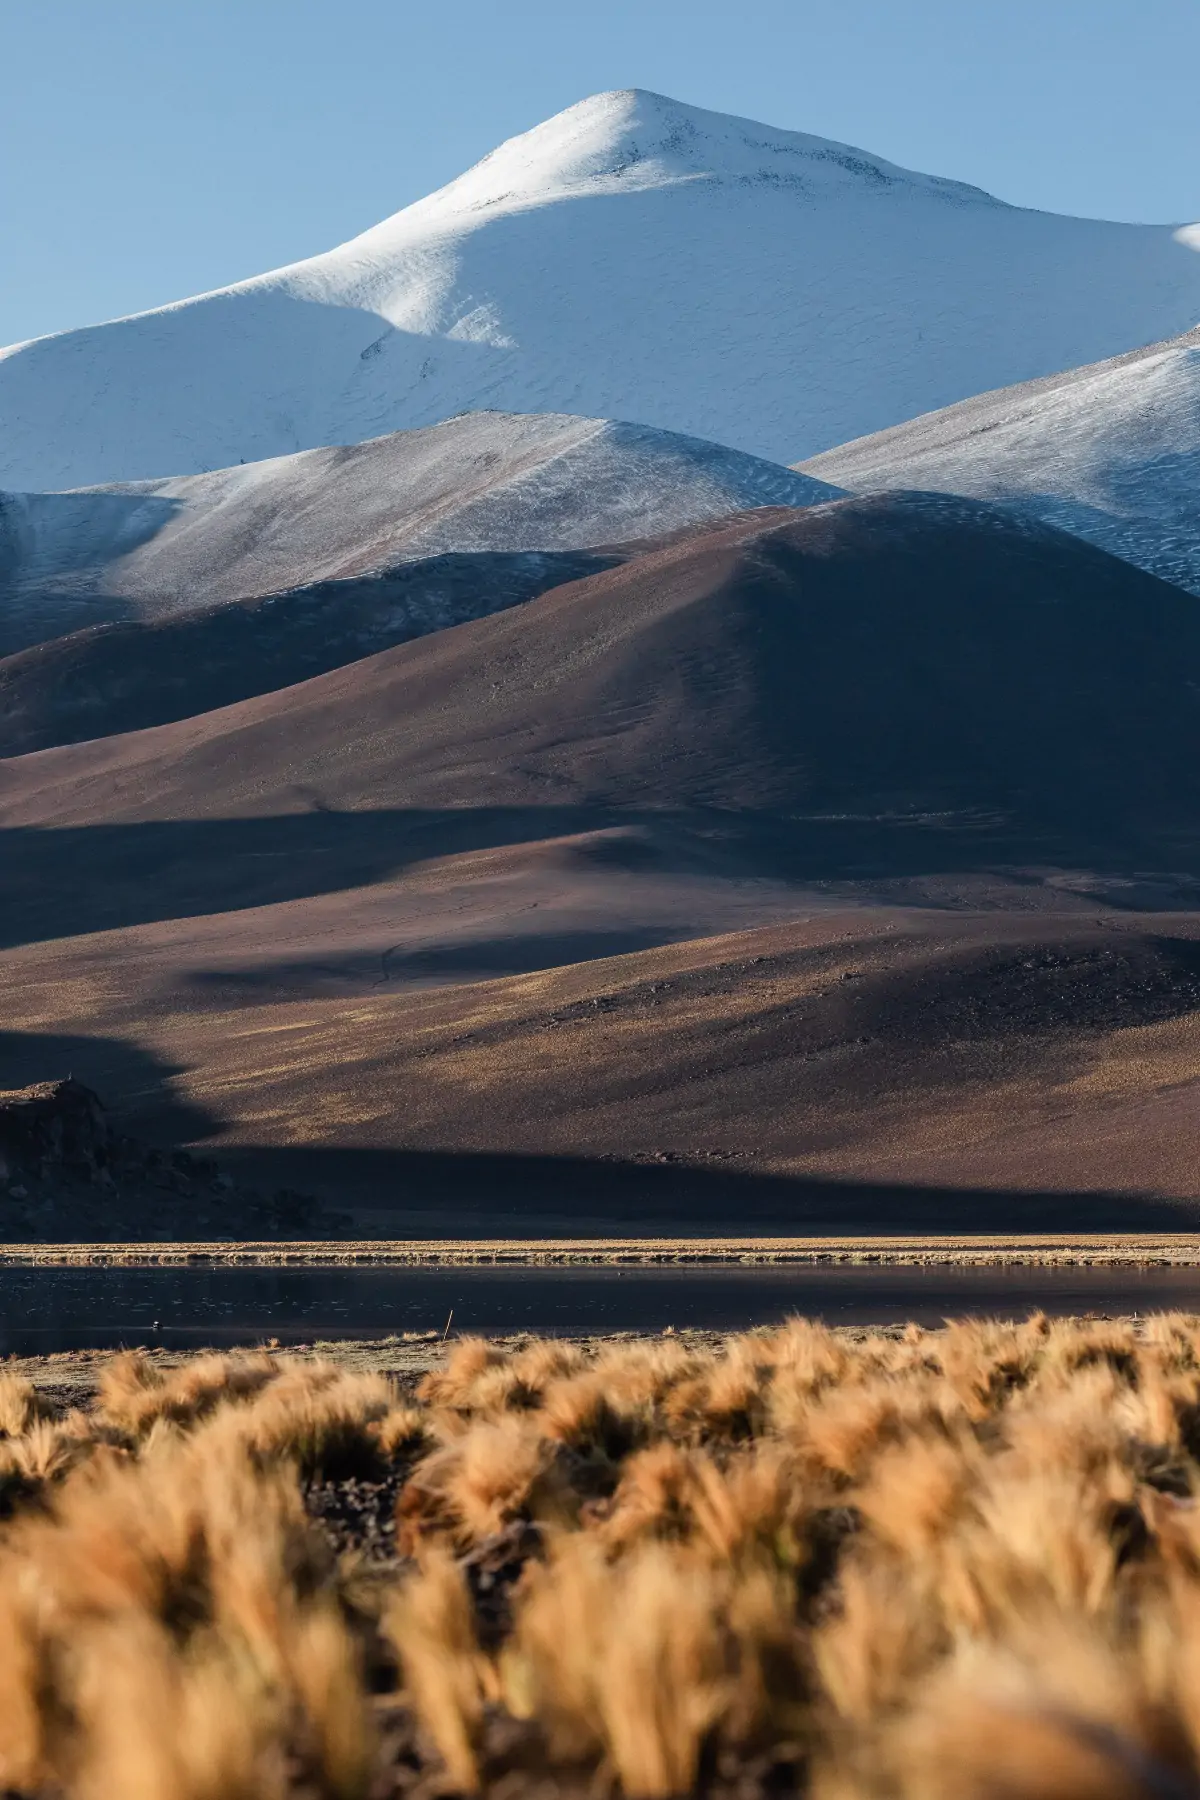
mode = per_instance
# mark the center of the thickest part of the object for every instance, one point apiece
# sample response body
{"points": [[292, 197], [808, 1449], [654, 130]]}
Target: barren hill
{"points": [[488, 483], [899, 658], [821, 865], [144, 602]]}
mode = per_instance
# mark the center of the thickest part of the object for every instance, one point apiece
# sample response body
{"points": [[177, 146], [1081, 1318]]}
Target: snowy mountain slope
{"points": [[632, 258], [494, 482], [1110, 452]]}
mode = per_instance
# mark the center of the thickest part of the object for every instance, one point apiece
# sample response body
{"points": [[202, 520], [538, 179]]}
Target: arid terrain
{"points": [[822, 870]]}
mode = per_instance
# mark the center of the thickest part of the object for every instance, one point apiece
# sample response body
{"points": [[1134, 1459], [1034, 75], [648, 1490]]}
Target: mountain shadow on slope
{"points": [[434, 1194], [958, 684], [127, 675], [910, 658]]}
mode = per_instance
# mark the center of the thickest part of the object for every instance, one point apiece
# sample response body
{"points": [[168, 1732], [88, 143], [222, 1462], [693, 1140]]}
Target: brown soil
{"points": [[125, 675], [826, 871], [867, 1071], [896, 657]]}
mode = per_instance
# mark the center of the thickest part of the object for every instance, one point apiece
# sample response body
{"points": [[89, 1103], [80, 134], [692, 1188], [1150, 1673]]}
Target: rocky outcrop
{"points": [[54, 1125], [66, 1172]]}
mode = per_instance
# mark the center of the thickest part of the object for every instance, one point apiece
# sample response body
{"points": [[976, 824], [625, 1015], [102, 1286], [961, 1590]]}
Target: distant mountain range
{"points": [[631, 258]]}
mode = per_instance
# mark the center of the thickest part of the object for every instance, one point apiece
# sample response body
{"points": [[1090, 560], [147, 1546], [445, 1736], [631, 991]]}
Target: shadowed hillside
{"points": [[900, 655], [851, 845]]}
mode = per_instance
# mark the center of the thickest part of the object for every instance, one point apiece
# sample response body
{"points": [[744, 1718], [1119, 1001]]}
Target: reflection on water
{"points": [[46, 1309]]}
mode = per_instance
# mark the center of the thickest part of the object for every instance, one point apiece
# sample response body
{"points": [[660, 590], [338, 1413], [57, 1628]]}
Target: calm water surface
{"points": [[45, 1309]]}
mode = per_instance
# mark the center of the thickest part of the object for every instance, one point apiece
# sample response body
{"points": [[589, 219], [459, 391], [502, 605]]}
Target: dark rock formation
{"points": [[67, 1173]]}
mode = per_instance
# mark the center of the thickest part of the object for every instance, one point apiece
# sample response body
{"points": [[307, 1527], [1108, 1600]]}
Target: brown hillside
{"points": [[906, 655], [445, 933]]}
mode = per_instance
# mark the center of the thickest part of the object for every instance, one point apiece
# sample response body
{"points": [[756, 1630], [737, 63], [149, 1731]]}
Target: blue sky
{"points": [[155, 148]]}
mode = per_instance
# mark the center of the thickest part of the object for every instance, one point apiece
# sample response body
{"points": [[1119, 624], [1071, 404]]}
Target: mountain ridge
{"points": [[779, 669], [1109, 451], [482, 483]]}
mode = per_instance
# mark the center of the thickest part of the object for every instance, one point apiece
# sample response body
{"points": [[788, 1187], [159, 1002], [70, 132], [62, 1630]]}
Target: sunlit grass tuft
{"points": [[949, 1563]]}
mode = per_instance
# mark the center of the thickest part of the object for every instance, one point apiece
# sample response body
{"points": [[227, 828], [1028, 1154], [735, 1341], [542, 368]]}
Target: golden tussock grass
{"points": [[951, 1565]]}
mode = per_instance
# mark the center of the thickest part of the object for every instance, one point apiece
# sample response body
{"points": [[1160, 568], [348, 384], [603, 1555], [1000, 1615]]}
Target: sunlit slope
{"points": [[1110, 451], [483, 482]]}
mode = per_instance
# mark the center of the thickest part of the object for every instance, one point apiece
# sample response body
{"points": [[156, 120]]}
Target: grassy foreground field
{"points": [[900, 1564]]}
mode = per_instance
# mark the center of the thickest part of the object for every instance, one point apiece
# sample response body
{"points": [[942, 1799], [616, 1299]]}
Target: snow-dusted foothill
{"points": [[483, 482], [1110, 452], [631, 258]]}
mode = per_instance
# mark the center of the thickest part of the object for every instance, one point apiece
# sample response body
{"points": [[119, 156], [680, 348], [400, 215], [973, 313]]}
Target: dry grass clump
{"points": [[171, 1625], [949, 1565]]}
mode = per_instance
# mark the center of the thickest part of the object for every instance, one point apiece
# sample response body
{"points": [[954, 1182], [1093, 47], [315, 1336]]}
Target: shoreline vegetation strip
{"points": [[1141, 1250]]}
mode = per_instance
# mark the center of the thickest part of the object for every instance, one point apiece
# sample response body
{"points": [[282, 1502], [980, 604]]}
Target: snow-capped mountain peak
{"points": [[630, 139], [619, 144], [632, 258]]}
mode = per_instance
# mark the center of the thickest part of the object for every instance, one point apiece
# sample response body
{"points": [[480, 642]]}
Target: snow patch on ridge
{"points": [[1110, 452], [481, 482]]}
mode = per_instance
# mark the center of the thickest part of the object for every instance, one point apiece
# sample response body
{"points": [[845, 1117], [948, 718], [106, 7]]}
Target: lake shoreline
{"points": [[1135, 1250]]}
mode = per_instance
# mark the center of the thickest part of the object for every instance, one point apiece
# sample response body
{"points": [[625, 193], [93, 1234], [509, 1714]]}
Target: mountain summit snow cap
{"points": [[631, 138], [632, 258]]}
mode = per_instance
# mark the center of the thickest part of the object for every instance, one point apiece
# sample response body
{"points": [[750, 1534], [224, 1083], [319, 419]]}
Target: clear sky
{"points": [[150, 149]]}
